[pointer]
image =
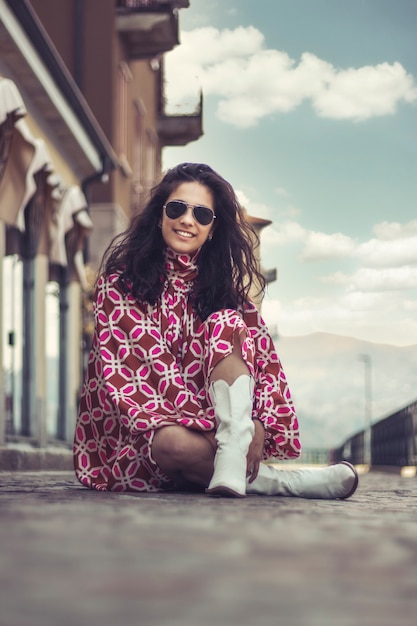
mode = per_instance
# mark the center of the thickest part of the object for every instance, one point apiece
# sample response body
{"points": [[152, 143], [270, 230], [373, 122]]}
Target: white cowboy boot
{"points": [[329, 483], [235, 429]]}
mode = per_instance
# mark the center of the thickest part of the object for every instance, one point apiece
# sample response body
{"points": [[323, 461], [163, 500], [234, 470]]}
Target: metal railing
{"points": [[150, 5], [393, 441]]}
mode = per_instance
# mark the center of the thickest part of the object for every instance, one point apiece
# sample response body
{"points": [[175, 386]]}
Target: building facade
{"points": [[82, 127]]}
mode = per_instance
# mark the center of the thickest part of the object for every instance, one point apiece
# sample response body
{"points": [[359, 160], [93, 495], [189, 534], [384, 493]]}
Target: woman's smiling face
{"points": [[184, 234]]}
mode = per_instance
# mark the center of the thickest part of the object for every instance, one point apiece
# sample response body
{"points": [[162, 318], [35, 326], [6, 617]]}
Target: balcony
{"points": [[270, 275], [178, 130], [148, 27]]}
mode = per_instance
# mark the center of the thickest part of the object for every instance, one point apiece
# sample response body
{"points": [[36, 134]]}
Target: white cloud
{"points": [[395, 230], [242, 197], [387, 279], [317, 246], [395, 245], [284, 233], [370, 294], [321, 246], [410, 305], [256, 209], [337, 278], [365, 92], [363, 302], [376, 303], [306, 315], [388, 253], [280, 191], [377, 317], [397, 248], [251, 82], [291, 211]]}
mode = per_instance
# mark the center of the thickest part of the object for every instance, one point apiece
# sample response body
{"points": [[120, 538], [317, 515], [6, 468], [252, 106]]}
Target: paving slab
{"points": [[74, 557]]}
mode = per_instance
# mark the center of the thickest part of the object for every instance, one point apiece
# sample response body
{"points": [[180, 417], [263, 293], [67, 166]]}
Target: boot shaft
{"points": [[235, 429], [334, 482]]}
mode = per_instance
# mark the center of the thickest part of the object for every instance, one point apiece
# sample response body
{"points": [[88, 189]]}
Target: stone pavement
{"points": [[73, 557]]}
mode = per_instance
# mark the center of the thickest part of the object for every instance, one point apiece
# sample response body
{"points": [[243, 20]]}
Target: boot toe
{"points": [[351, 482], [225, 491]]}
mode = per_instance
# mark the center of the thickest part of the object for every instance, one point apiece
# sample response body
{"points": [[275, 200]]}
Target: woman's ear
{"points": [[213, 228]]}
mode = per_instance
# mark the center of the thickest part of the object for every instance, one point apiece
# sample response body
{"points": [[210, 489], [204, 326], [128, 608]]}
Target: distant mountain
{"points": [[327, 380]]}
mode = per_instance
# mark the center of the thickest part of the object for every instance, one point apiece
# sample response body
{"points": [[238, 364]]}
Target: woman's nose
{"points": [[188, 216]]}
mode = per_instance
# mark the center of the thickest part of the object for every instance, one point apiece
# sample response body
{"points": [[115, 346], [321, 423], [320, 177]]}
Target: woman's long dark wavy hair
{"points": [[227, 267]]}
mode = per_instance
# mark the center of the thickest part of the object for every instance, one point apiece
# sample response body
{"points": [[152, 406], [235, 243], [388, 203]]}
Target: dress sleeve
{"points": [[273, 405], [133, 369]]}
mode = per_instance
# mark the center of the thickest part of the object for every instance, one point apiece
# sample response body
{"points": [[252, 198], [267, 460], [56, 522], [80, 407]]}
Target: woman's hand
{"points": [[255, 452]]}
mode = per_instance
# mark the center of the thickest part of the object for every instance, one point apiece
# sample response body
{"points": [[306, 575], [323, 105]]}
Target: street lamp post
{"points": [[367, 451]]}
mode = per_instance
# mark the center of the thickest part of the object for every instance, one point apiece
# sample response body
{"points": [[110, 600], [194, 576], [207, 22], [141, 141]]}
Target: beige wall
{"points": [[109, 220], [60, 161], [126, 109]]}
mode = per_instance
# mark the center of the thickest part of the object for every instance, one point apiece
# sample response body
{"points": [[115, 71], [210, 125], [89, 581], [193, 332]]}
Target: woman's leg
{"points": [[187, 456], [232, 366], [184, 455], [231, 392]]}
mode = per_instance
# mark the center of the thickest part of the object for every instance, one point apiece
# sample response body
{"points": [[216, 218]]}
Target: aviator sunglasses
{"points": [[176, 208]]}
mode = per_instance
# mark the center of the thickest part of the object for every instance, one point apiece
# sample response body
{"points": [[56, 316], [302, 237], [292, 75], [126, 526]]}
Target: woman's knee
{"points": [[225, 318], [173, 445]]}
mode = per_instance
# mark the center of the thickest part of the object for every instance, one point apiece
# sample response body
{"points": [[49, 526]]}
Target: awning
{"points": [[11, 102], [33, 199], [12, 108], [69, 230], [22, 156]]}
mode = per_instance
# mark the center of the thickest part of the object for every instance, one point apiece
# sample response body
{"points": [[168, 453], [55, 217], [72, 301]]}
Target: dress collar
{"points": [[181, 267]]}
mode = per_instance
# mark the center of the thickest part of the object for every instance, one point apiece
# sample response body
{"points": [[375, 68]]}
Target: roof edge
{"points": [[39, 37]]}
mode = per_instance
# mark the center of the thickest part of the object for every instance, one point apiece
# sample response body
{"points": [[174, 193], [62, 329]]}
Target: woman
{"points": [[184, 388]]}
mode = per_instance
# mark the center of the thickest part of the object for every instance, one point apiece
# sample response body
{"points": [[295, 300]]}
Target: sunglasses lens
{"points": [[203, 215], [175, 209]]}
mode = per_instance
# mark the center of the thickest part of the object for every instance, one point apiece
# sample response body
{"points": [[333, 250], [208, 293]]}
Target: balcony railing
{"points": [[178, 130], [151, 4], [148, 27], [270, 275]]}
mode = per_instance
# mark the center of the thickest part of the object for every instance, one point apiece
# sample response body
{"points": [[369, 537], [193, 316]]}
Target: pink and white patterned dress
{"points": [[149, 367]]}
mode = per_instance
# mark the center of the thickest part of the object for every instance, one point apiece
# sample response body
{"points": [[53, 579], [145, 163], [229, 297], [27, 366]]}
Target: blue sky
{"points": [[310, 111]]}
